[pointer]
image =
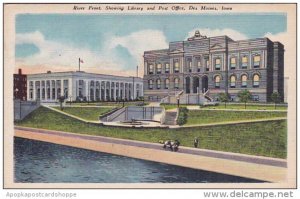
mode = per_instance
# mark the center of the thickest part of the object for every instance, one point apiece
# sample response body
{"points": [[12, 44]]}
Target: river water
{"points": [[41, 162]]}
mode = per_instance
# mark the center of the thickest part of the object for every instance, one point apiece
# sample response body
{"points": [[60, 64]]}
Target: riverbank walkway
{"points": [[249, 166]]}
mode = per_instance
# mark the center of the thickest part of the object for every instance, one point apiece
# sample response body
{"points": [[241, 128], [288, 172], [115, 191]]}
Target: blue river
{"points": [[42, 162]]}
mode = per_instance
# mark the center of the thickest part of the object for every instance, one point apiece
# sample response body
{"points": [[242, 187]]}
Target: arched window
{"points": [[256, 80], [150, 84], [244, 80], [232, 81], [158, 83], [176, 83], [217, 81], [167, 83], [158, 69], [150, 69]]}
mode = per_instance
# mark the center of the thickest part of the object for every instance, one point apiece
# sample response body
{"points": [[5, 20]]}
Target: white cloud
{"points": [[58, 55], [65, 57], [138, 42], [235, 35]]}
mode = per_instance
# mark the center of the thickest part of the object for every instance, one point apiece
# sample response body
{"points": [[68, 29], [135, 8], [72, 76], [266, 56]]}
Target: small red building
{"points": [[20, 86]]}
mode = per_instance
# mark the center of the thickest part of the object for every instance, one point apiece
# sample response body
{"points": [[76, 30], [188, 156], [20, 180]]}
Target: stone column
{"points": [[119, 89], [124, 90], [250, 60], [100, 94], [95, 87], [50, 89], [115, 90], [34, 91], [62, 87], [105, 90], [109, 90], [87, 90], [70, 89], [28, 85], [55, 89]]}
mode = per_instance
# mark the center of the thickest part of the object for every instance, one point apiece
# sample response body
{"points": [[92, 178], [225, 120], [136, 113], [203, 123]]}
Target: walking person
{"points": [[196, 142]]}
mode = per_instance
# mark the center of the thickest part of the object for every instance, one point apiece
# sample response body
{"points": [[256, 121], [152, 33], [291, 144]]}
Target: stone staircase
{"points": [[190, 98], [170, 117]]}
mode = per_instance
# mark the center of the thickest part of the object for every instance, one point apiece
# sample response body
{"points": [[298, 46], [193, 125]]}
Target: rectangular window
{"points": [[158, 69], [232, 63], [198, 65], [150, 69], [167, 69], [207, 64], [256, 61], [176, 66], [244, 62], [190, 65], [217, 64], [217, 84]]}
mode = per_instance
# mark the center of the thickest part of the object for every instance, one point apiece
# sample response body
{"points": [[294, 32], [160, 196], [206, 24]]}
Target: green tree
{"points": [[275, 97], [224, 97], [244, 96]]}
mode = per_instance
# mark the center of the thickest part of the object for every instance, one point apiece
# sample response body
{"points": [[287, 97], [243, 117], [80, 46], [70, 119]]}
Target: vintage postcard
{"points": [[150, 95]]}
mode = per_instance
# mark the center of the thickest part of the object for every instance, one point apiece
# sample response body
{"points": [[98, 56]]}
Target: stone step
{"points": [[170, 118]]}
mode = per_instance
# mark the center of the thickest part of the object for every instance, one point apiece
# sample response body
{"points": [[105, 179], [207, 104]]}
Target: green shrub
{"points": [[182, 116]]}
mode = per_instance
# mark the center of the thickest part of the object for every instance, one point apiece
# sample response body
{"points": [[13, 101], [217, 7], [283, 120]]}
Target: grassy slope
{"points": [[266, 139], [88, 113], [232, 106], [248, 107], [212, 116]]}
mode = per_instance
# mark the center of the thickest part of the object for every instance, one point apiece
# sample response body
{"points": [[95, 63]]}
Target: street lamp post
{"points": [[16, 97], [70, 100]]}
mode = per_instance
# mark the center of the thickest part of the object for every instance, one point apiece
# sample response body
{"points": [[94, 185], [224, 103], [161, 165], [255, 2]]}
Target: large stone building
{"points": [[48, 87], [215, 65]]}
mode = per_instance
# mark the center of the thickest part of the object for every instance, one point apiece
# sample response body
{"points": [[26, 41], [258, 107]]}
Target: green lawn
{"points": [[172, 106], [261, 138], [248, 107], [213, 116], [130, 103], [88, 113], [232, 106]]}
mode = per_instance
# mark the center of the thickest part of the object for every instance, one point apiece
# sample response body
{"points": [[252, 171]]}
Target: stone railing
{"points": [[23, 108]]}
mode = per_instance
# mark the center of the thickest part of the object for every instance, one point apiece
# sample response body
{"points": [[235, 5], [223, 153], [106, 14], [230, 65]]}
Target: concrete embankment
{"points": [[255, 167]]}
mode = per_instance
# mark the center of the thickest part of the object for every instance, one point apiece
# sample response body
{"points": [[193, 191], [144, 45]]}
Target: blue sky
{"points": [[110, 36]]}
